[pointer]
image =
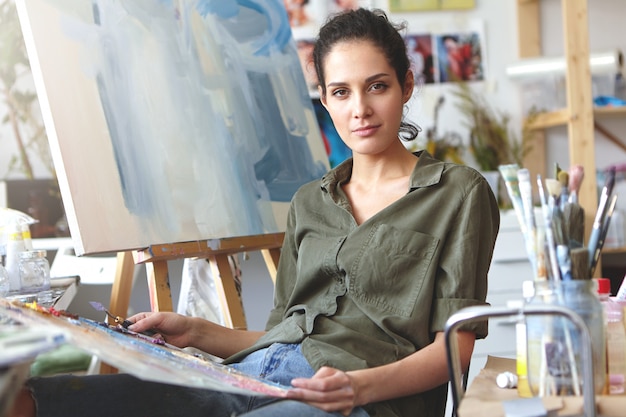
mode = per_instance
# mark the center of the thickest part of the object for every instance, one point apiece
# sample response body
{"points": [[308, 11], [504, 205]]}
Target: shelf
{"points": [[550, 119], [620, 250], [561, 117], [608, 112]]}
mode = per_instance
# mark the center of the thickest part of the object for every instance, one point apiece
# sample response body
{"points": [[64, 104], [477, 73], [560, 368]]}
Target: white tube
{"points": [[600, 63]]}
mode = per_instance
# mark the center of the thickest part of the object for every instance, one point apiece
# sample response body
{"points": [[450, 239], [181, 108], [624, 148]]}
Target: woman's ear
{"points": [[409, 85]]}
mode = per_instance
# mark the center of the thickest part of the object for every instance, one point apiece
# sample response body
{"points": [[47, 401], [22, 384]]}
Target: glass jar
{"points": [[554, 342], [34, 270]]}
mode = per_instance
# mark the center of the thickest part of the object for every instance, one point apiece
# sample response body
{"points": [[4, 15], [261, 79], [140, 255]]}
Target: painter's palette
{"points": [[20, 343], [141, 355]]}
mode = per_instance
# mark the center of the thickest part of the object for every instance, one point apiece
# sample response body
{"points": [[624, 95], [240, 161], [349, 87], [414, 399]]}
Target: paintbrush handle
{"points": [[602, 232], [594, 238], [596, 229]]}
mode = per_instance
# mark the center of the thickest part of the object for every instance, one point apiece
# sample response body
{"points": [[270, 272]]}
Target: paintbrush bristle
{"points": [[98, 306], [563, 179], [553, 186], [557, 169], [576, 175]]}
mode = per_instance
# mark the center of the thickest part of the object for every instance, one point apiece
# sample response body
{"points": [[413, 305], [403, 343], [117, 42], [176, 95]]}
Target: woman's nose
{"points": [[361, 107]]}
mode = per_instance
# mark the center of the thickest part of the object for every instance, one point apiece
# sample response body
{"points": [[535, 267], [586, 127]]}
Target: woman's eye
{"points": [[378, 86], [340, 93]]}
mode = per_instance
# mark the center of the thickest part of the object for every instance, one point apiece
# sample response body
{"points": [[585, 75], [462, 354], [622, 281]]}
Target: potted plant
{"points": [[492, 142], [447, 146]]}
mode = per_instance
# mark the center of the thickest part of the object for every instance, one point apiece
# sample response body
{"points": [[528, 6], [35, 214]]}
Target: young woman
{"points": [[377, 255]]}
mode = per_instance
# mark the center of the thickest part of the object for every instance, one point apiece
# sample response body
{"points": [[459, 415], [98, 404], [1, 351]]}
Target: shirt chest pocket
{"points": [[390, 269]]}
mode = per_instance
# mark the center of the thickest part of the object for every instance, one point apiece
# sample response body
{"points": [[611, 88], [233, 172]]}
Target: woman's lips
{"points": [[365, 130]]}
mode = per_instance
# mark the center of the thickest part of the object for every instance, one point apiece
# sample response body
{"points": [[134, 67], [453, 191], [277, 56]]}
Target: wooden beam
{"points": [[529, 46], [580, 124]]}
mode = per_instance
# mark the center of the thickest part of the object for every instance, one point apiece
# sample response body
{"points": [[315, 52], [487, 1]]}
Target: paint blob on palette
{"points": [[143, 356]]}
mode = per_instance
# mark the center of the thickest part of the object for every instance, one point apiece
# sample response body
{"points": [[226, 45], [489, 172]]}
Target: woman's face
{"points": [[364, 97]]}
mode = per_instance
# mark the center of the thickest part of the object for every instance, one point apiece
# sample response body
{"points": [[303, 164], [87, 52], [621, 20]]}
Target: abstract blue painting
{"points": [[172, 121]]}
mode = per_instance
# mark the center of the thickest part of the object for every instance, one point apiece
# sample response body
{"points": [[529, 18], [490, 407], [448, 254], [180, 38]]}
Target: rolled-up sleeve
{"points": [[464, 264]]}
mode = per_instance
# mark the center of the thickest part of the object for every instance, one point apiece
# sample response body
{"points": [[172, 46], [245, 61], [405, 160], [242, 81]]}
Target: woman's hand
{"points": [[174, 328], [329, 389]]}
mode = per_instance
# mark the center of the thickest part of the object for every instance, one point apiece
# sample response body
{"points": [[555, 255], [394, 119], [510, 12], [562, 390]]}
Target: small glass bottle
{"points": [[34, 271]]}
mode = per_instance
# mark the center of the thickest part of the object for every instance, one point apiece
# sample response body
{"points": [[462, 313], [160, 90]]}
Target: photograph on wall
{"points": [[459, 57], [429, 5], [312, 14], [420, 50]]}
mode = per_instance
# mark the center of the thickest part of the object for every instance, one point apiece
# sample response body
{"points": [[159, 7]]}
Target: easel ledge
{"points": [[202, 248]]}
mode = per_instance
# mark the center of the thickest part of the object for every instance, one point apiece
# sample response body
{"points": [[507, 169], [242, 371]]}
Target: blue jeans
{"points": [[124, 395]]}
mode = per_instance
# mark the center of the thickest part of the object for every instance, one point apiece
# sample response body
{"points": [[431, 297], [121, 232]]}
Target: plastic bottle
{"points": [[615, 338], [15, 246], [26, 236]]}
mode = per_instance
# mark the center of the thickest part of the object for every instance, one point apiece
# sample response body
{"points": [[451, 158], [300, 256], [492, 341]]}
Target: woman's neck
{"points": [[375, 169]]}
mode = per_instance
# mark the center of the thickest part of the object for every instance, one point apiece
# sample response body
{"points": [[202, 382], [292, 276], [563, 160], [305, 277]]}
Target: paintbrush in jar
{"points": [[598, 220], [603, 232], [576, 176], [550, 243], [573, 213]]}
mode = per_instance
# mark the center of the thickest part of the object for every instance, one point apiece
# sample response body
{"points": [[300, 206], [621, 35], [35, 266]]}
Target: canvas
{"points": [[171, 121]]}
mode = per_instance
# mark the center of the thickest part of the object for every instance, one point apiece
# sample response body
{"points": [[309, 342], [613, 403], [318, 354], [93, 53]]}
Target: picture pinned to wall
{"points": [[311, 14], [452, 54], [460, 57], [428, 5], [420, 51]]}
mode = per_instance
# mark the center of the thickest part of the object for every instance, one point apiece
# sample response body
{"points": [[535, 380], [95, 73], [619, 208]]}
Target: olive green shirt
{"points": [[360, 296]]}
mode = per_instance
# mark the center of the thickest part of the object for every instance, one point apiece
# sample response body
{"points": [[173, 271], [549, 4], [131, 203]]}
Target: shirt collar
{"points": [[428, 171]]}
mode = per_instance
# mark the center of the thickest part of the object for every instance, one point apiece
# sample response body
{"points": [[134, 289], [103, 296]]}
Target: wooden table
{"points": [[485, 399]]}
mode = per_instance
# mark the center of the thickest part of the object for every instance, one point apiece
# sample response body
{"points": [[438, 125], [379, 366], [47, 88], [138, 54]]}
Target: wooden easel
{"points": [[215, 250]]}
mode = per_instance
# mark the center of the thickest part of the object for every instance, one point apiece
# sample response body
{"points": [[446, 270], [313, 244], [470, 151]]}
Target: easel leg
{"points": [[271, 257], [230, 300], [122, 284], [120, 294], [159, 286]]}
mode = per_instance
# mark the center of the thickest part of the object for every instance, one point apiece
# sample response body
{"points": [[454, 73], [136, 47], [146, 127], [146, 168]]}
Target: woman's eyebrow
{"points": [[367, 80]]}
